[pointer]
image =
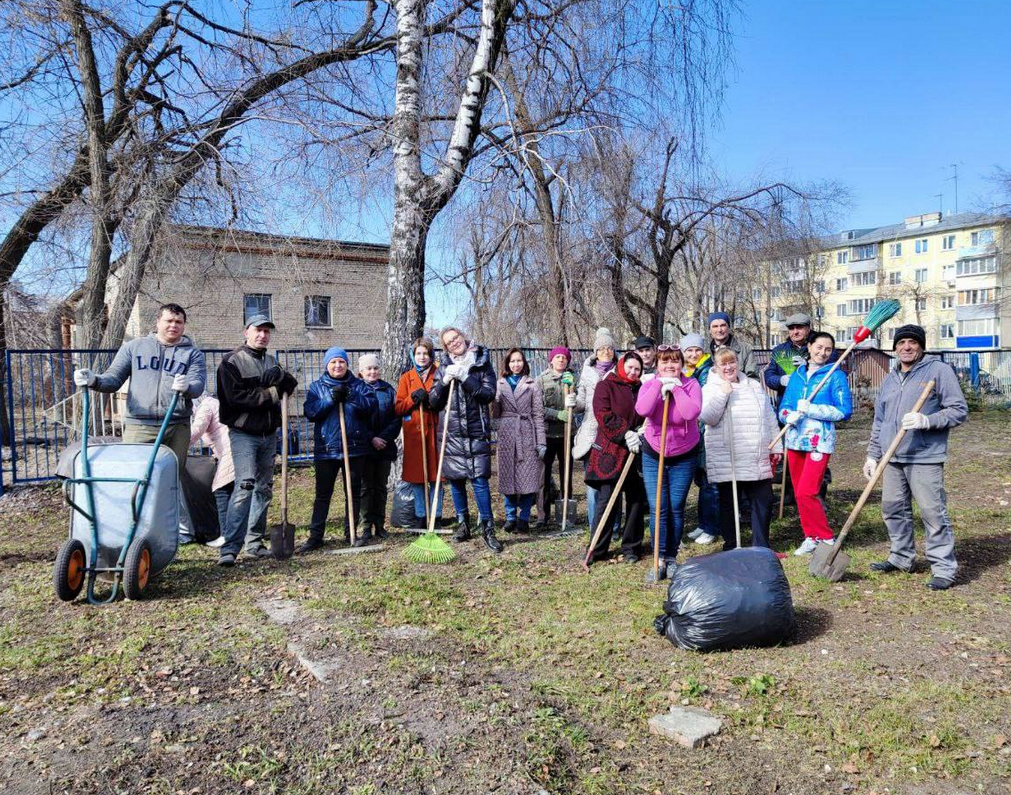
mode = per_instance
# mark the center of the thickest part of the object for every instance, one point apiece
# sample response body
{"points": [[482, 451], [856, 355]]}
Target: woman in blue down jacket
{"points": [[337, 390]]}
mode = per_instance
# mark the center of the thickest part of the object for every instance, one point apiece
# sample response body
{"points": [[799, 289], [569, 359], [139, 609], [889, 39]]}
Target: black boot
{"points": [[462, 528], [309, 545], [488, 534], [381, 533], [364, 538], [522, 525], [510, 526]]}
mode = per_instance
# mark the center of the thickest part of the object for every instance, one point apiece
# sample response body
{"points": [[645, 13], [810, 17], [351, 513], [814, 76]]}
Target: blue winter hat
{"points": [[335, 353], [719, 316]]}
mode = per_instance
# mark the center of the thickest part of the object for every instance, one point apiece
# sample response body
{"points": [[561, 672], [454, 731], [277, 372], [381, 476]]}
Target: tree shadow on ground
{"points": [[812, 623], [976, 554], [185, 579]]}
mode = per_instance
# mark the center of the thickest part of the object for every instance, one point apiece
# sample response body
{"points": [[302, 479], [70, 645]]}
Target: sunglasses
{"points": [[663, 348]]}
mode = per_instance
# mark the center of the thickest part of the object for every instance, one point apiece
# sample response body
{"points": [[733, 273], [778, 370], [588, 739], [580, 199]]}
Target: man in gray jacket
{"points": [[720, 334], [157, 365], [916, 471]]}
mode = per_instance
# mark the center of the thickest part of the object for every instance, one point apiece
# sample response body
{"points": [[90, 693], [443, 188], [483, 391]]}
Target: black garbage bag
{"points": [[197, 477], [728, 600], [402, 514]]}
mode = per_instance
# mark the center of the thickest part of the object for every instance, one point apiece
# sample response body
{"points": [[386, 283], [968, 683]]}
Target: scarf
{"points": [[622, 376], [603, 368], [469, 359], [513, 380]]}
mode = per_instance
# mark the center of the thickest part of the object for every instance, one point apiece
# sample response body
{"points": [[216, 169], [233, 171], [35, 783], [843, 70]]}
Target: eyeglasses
{"points": [[663, 348]]}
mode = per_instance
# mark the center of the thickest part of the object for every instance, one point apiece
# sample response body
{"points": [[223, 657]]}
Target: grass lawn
{"points": [[510, 674]]}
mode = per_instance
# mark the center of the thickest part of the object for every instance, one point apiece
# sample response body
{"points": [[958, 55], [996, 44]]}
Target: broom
{"points": [[429, 548], [785, 362], [882, 312]]}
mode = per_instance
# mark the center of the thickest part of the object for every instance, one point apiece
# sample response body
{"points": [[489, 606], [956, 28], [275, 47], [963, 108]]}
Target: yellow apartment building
{"points": [[950, 273]]}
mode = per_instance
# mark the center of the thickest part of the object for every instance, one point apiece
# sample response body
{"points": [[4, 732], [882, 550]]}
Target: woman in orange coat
{"points": [[412, 397]]}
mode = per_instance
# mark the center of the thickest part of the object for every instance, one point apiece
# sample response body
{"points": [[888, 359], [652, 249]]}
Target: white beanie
{"points": [[367, 360], [603, 339]]}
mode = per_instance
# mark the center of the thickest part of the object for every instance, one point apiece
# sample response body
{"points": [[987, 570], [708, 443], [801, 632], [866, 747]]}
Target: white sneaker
{"points": [[694, 534], [807, 547], [217, 542], [705, 538], [827, 541]]}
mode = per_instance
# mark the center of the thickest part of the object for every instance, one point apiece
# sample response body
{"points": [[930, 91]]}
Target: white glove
{"points": [[798, 360], [803, 406], [84, 377], [915, 421], [784, 379], [633, 442], [668, 384], [793, 418], [180, 382], [869, 466], [453, 372], [570, 401]]}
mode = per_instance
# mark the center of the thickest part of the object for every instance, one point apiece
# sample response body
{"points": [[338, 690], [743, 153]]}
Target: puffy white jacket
{"points": [[588, 380], [755, 427]]}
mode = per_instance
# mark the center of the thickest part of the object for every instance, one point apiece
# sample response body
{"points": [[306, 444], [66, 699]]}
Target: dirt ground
{"points": [[509, 674]]}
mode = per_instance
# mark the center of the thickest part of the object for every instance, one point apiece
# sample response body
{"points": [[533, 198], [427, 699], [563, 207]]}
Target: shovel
{"points": [[567, 463], [282, 536], [830, 562]]}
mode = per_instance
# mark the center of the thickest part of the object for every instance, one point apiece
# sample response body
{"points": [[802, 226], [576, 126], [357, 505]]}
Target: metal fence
{"points": [[44, 406]]}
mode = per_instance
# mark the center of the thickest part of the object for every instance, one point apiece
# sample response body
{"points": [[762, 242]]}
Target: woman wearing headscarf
{"points": [[557, 410], [617, 437], [732, 398], [684, 403], [382, 452], [412, 403], [468, 446], [520, 445], [337, 391], [595, 368], [810, 435]]}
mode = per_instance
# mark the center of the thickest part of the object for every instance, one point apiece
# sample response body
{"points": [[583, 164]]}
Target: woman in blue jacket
{"points": [[810, 436], [382, 451], [337, 390]]}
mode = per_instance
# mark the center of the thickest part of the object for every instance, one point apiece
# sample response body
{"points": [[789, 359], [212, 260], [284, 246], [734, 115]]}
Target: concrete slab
{"points": [[280, 611], [687, 726], [356, 550]]}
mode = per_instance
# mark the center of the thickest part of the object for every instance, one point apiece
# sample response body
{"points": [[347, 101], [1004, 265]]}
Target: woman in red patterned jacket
{"points": [[617, 438]]}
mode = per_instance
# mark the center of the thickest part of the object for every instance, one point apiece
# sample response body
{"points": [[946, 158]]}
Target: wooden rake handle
{"points": [[852, 518], [284, 459], [424, 459], [659, 490], [610, 506], [442, 454], [567, 461], [347, 474]]}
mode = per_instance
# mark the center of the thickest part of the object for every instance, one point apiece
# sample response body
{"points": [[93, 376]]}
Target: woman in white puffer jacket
{"points": [[755, 427]]}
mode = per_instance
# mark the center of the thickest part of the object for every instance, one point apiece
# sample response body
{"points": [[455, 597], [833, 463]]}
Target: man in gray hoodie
{"points": [[157, 365], [916, 471]]}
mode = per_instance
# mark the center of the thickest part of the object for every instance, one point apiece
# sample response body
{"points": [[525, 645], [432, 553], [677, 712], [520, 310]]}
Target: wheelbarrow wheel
{"points": [[137, 570], [69, 570]]}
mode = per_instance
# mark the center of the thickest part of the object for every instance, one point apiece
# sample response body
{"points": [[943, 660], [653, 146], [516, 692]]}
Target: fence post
{"points": [[974, 371]]}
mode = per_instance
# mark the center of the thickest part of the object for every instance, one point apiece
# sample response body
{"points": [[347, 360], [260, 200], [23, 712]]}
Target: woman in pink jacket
{"points": [[680, 453], [206, 428]]}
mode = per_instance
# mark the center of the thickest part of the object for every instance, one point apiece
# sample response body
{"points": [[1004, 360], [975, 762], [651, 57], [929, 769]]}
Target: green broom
{"points": [[879, 314], [429, 548], [785, 362]]}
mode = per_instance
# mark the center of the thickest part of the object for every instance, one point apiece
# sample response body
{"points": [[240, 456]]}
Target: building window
{"points": [[983, 296], [840, 310], [948, 242], [973, 267], [846, 334], [921, 304], [947, 302], [895, 250], [921, 275], [317, 311], [983, 327], [895, 277], [255, 304], [819, 313], [774, 292], [984, 237], [842, 257], [756, 294], [865, 279], [891, 334], [869, 251], [796, 286], [841, 285], [861, 306], [921, 245], [947, 331]]}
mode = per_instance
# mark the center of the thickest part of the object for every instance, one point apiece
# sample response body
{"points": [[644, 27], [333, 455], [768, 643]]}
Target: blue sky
{"points": [[881, 96]]}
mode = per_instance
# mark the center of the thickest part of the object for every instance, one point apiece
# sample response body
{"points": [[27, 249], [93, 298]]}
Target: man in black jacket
{"points": [[251, 386]]}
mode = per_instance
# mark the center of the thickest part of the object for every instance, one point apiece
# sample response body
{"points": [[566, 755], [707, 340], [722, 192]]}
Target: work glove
{"points": [[570, 401], [633, 441], [339, 393], [667, 385], [869, 466], [563, 415], [180, 382], [568, 379], [454, 372], [541, 451], [803, 406], [914, 421], [84, 377], [793, 418], [271, 376], [784, 379], [287, 384], [420, 397], [798, 360]]}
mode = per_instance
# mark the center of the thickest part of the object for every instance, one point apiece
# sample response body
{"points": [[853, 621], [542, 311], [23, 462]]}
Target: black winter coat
{"points": [[387, 423], [468, 447]]}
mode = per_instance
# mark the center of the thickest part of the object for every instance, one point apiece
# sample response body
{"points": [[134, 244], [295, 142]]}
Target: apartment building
{"points": [[950, 273]]}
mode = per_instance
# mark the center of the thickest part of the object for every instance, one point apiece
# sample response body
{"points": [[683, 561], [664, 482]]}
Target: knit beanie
{"points": [[692, 340], [335, 353], [560, 349], [603, 339], [719, 316], [911, 332], [367, 360]]}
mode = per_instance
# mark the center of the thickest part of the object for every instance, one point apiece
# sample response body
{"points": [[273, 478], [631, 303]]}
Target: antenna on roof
{"points": [[940, 207], [954, 178]]}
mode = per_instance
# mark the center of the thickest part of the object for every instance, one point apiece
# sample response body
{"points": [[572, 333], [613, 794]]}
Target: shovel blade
{"points": [[282, 540], [570, 515], [821, 567]]}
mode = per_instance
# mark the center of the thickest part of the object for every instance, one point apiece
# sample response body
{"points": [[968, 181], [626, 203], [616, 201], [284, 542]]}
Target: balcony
{"points": [[976, 312], [982, 250], [863, 265]]}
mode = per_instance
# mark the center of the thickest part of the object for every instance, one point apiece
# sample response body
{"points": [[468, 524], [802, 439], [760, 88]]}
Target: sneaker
{"points": [[829, 542], [216, 543], [228, 559], [186, 540], [258, 553], [705, 538], [694, 534], [939, 584], [884, 567], [807, 548], [672, 568], [631, 557]]}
